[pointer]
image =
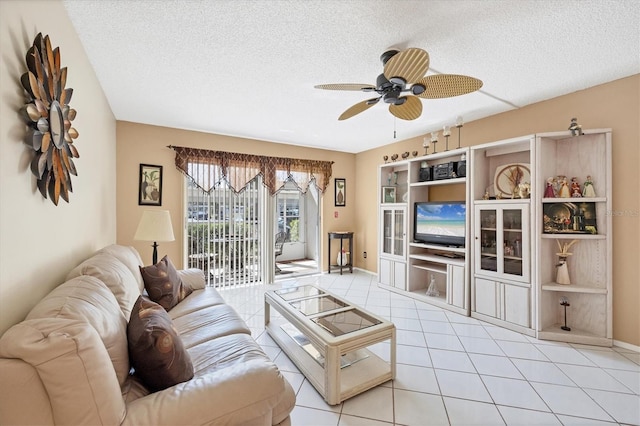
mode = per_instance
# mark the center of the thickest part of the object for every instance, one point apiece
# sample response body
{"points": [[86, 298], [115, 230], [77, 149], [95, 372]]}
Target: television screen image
{"points": [[440, 223]]}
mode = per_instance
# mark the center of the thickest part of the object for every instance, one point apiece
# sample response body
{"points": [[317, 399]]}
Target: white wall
{"points": [[39, 242]]}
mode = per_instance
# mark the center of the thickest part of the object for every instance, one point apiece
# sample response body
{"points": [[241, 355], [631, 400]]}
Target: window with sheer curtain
{"points": [[224, 213]]}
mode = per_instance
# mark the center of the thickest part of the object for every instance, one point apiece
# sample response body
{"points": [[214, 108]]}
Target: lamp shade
{"points": [[155, 225]]}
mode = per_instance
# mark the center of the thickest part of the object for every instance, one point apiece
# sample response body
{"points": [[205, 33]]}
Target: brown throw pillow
{"points": [[156, 351], [163, 284]]}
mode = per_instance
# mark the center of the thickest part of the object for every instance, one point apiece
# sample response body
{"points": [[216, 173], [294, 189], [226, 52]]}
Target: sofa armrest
{"points": [[239, 394], [193, 277]]}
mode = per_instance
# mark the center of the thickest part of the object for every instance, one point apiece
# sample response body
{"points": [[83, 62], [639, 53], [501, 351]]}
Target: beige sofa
{"points": [[68, 362]]}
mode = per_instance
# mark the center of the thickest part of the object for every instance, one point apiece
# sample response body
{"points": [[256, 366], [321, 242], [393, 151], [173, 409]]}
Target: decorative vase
{"points": [[342, 259], [562, 275]]}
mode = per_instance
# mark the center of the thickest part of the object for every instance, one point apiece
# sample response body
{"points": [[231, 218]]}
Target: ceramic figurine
{"points": [[548, 191], [563, 191], [575, 188], [587, 189]]}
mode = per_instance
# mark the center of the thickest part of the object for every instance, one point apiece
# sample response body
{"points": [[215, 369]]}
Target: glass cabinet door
{"points": [[512, 242], [398, 236], [502, 241], [488, 240], [393, 233]]}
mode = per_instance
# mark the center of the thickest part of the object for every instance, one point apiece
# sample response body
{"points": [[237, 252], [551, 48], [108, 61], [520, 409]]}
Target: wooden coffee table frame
{"points": [[335, 384]]}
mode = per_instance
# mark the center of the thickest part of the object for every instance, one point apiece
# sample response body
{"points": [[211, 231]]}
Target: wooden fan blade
{"points": [[411, 64], [409, 110], [448, 85], [358, 108], [346, 86]]}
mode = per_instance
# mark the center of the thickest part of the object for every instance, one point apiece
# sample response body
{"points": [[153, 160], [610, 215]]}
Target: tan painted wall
{"points": [[615, 105], [39, 242], [139, 143]]}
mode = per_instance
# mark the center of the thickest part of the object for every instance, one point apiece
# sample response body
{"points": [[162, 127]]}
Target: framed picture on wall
{"points": [[341, 192], [150, 185]]}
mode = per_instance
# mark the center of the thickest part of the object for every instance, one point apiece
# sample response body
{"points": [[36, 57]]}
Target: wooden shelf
{"points": [[574, 236], [440, 182], [575, 200], [460, 250], [439, 268], [574, 336], [573, 288], [438, 259]]}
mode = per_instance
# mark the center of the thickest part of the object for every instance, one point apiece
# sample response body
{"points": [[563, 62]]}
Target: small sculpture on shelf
{"points": [[565, 302], [576, 129], [549, 191], [523, 190], [587, 189], [575, 188], [405, 155], [385, 158], [414, 154], [562, 273], [394, 157], [433, 288]]}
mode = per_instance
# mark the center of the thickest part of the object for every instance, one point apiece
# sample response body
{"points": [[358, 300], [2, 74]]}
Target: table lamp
{"points": [[155, 225]]}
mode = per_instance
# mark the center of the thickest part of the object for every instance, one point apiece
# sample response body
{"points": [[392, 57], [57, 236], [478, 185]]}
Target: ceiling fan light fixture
{"points": [[405, 73], [391, 97], [387, 55], [398, 81], [382, 83], [417, 89]]}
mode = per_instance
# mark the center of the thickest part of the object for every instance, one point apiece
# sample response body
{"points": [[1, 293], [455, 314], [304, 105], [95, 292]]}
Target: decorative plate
{"points": [[508, 177]]}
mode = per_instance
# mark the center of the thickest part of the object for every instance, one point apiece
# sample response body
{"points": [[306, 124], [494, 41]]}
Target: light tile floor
{"points": [[453, 369]]}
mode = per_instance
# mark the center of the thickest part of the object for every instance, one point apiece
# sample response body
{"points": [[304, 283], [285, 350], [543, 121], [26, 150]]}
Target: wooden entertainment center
{"points": [[506, 272]]}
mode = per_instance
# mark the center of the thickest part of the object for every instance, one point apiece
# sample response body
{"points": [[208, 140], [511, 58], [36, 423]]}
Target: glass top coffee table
{"points": [[328, 338]]}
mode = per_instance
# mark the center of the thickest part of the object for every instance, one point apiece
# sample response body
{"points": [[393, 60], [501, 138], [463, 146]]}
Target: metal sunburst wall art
{"points": [[49, 117]]}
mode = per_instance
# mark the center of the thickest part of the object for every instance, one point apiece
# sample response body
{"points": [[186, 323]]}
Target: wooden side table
{"points": [[340, 236]]}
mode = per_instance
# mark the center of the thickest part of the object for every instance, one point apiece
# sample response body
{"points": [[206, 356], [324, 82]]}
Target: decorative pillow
{"points": [[163, 284], [156, 351]]}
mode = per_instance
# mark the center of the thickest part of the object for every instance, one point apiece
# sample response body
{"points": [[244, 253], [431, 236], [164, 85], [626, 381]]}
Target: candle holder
{"points": [[425, 145], [446, 132], [565, 302], [434, 140], [459, 127]]}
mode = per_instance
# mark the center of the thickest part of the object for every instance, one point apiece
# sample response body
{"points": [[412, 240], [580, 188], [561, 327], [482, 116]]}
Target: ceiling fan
{"points": [[403, 82]]}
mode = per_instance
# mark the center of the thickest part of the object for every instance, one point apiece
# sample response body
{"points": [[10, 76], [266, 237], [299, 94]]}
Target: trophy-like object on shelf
{"points": [[425, 145], [434, 140], [459, 124], [562, 272], [446, 132]]}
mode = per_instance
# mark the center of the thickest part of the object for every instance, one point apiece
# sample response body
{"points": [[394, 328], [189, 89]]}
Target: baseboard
{"points": [[625, 345]]}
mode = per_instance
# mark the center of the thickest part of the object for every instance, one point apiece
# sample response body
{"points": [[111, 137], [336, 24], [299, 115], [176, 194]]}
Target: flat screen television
{"points": [[442, 223]]}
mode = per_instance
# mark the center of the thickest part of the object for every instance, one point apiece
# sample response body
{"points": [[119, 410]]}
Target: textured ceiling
{"points": [[247, 68]]}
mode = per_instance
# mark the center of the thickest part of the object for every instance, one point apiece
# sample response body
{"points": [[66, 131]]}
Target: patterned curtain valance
{"points": [[208, 168]]}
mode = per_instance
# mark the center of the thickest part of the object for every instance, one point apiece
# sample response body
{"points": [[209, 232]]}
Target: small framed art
{"points": [[341, 192], [569, 218], [388, 194], [150, 185]]}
